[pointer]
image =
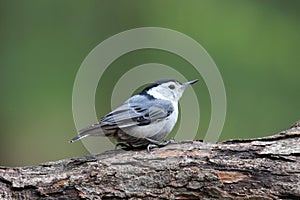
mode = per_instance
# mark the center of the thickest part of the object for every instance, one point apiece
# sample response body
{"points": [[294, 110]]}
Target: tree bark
{"points": [[262, 168]]}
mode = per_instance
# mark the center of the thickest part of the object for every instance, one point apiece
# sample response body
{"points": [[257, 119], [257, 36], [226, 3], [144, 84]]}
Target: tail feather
{"points": [[78, 137], [94, 130]]}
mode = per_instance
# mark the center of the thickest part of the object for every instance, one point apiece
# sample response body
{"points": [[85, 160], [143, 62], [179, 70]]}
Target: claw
{"points": [[155, 143], [171, 140], [150, 146]]}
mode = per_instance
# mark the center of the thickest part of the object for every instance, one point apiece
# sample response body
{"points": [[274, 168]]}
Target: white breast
{"points": [[155, 130]]}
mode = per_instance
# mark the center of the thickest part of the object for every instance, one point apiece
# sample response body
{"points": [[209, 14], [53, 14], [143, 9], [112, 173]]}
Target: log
{"points": [[261, 168]]}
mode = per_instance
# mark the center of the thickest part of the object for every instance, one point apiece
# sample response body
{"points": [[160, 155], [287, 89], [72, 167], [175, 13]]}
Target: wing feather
{"points": [[137, 111]]}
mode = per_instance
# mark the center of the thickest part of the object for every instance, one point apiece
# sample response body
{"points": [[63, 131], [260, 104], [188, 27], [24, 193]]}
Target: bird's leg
{"points": [[158, 143], [155, 143]]}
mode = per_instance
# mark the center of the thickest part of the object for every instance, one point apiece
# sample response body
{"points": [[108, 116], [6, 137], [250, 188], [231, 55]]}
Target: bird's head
{"points": [[168, 89]]}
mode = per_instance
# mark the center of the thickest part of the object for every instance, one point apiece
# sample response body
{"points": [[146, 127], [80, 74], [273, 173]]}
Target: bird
{"points": [[144, 119]]}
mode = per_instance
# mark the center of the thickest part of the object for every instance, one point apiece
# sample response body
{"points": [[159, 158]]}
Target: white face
{"points": [[171, 90]]}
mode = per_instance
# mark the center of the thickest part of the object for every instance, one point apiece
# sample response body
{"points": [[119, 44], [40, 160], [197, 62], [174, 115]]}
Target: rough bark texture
{"points": [[263, 168]]}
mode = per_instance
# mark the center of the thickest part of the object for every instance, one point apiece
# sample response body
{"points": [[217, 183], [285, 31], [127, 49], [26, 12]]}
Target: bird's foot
{"points": [[155, 143]]}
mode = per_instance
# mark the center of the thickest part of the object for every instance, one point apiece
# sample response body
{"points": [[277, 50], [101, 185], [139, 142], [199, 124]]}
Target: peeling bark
{"points": [[262, 168]]}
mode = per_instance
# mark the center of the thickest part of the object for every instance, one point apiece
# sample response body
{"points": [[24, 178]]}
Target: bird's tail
{"points": [[93, 130], [78, 137]]}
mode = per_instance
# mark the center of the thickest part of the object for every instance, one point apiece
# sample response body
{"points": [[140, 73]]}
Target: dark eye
{"points": [[172, 87]]}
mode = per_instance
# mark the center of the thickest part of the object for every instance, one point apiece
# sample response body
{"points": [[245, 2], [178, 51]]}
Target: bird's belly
{"points": [[155, 130]]}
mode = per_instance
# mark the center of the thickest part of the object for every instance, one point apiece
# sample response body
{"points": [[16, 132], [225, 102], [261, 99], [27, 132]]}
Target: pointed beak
{"points": [[189, 83]]}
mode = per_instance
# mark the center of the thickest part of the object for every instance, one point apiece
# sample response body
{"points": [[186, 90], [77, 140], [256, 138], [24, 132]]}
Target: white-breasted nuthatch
{"points": [[144, 119]]}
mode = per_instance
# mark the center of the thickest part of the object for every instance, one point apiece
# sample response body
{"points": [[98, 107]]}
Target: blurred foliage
{"points": [[255, 45]]}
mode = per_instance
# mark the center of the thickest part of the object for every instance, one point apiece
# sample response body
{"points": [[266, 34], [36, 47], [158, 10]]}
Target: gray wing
{"points": [[138, 110]]}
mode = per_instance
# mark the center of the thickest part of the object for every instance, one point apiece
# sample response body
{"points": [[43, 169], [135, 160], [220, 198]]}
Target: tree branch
{"points": [[262, 168]]}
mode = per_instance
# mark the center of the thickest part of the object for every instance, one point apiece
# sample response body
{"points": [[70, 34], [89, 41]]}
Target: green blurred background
{"points": [[255, 45]]}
